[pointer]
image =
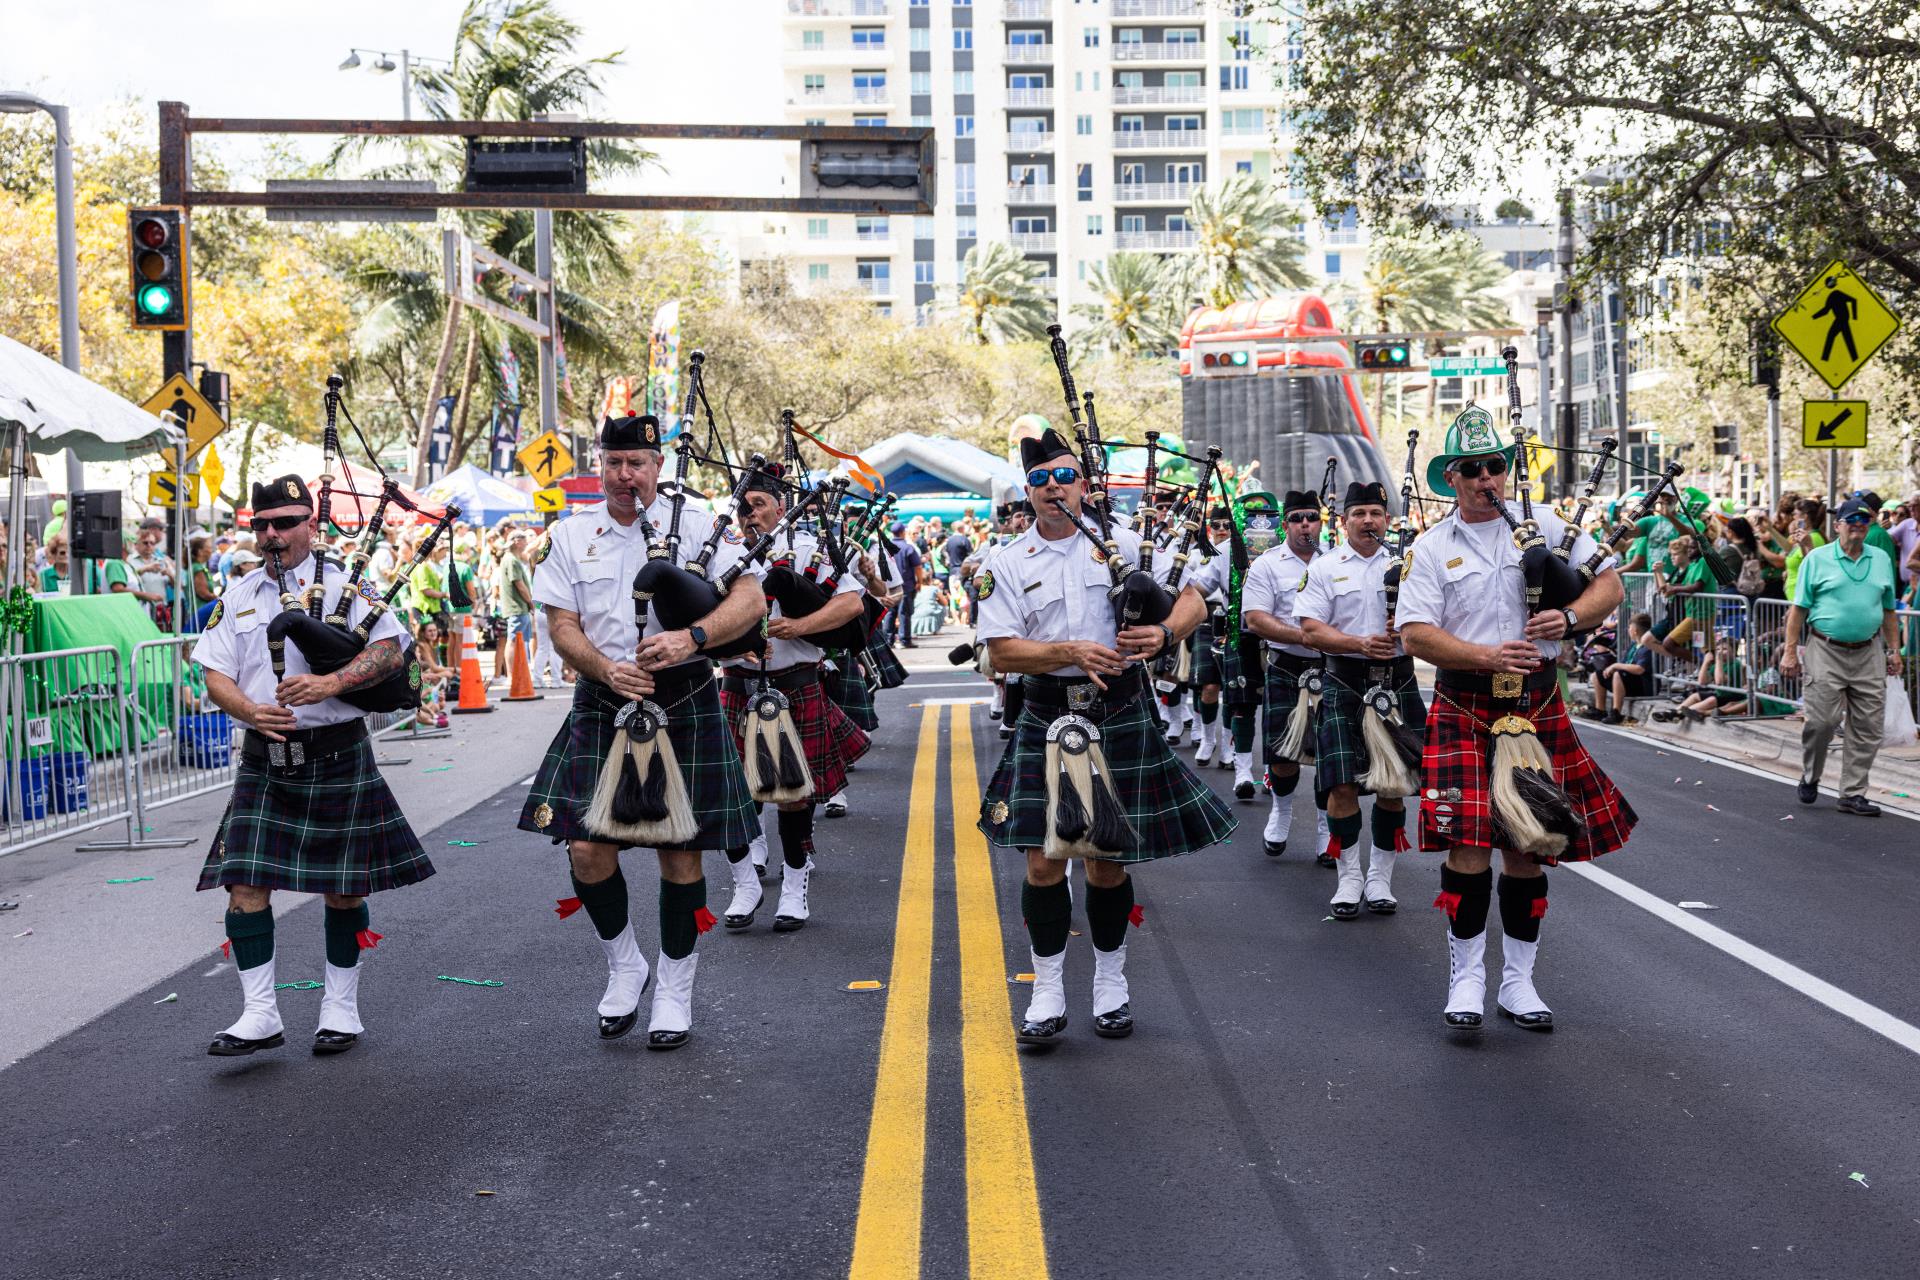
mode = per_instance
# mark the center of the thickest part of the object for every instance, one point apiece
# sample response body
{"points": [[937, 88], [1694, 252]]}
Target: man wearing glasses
{"points": [[1844, 601], [1046, 616], [310, 812], [1267, 609], [1462, 607]]}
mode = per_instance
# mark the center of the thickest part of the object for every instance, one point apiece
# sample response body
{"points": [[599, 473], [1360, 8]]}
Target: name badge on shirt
{"points": [[1456, 562]]}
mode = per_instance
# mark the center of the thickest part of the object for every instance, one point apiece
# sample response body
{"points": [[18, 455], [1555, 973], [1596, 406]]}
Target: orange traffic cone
{"points": [[473, 685], [521, 690]]}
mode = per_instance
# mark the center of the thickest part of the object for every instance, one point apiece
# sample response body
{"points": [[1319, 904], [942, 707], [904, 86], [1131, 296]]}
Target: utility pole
{"points": [[1563, 302], [176, 168], [543, 267]]}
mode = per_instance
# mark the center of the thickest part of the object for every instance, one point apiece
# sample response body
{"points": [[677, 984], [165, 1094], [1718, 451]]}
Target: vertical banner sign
{"points": [[510, 376], [506, 439], [618, 401], [440, 437], [560, 373], [663, 368]]}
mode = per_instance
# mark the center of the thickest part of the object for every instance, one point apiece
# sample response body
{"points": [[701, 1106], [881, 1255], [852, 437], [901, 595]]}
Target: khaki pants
{"points": [[1850, 681]]}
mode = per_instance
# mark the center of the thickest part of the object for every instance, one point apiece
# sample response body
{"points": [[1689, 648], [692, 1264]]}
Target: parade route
{"points": [[1288, 1107]]}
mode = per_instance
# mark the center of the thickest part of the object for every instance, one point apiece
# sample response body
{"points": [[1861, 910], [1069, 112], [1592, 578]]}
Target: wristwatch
{"points": [[699, 634], [1573, 620], [1166, 638]]}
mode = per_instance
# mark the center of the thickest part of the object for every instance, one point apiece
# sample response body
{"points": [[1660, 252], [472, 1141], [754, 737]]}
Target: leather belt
{"points": [[1843, 644], [1364, 673], [1291, 663], [1501, 684], [743, 680], [1077, 693], [302, 746]]}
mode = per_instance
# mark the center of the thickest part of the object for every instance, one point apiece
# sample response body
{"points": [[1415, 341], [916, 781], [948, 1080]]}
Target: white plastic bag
{"points": [[1900, 729]]}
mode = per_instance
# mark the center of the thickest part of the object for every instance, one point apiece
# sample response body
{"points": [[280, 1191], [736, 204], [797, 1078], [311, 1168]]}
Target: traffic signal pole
{"points": [[1564, 434], [176, 165]]}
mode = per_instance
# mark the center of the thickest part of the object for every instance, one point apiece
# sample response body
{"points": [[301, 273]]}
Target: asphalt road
{"points": [[1289, 1105]]}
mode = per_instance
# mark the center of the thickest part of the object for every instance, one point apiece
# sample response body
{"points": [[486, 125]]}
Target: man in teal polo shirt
{"points": [[1844, 601]]}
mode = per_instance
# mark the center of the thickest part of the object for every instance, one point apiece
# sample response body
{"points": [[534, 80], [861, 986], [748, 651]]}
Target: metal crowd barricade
{"points": [[1756, 627], [67, 769]]}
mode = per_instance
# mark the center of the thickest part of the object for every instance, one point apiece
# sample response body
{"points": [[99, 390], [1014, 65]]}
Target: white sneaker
{"points": [[1379, 890], [671, 1023], [1046, 1015], [340, 1005], [627, 976], [1519, 1002], [747, 894], [259, 1014], [757, 854], [791, 914], [1243, 783], [837, 805], [1466, 981]]}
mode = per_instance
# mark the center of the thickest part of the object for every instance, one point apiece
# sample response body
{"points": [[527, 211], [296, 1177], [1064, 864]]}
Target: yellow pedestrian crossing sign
{"points": [[1834, 424], [201, 421], [1836, 324], [549, 500], [546, 459]]}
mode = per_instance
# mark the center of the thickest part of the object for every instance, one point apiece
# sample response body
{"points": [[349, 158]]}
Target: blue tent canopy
{"points": [[482, 498], [916, 465]]}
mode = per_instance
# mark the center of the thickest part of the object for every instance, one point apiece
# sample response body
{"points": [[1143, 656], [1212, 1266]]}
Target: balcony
{"points": [[1030, 55], [875, 288], [836, 8], [1030, 98], [1155, 192], [1034, 241], [870, 246], [1160, 140], [841, 99], [1027, 10], [1151, 241], [1024, 142], [1156, 8], [1031, 194], [835, 51], [1181, 51], [1158, 94]]}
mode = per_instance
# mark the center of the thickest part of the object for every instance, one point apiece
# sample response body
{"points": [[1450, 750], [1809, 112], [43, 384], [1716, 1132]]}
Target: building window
{"points": [[876, 269], [966, 226], [869, 37], [869, 228], [813, 86], [963, 82], [1083, 125], [816, 228], [1243, 166], [1187, 174], [1181, 35], [1031, 226], [1096, 82], [1177, 222], [1183, 124], [1079, 81], [1094, 225], [962, 38], [1131, 124], [1026, 80], [1131, 222], [813, 39], [963, 4], [1333, 264], [1083, 181], [920, 82], [919, 39], [1090, 37], [923, 273], [1026, 39], [1083, 269], [1241, 38], [1027, 175], [818, 272], [1234, 77], [963, 184], [870, 122], [963, 126], [923, 228], [869, 86]]}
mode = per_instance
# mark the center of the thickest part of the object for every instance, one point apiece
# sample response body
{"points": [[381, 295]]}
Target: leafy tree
{"points": [[1000, 296], [1131, 313], [1421, 279], [1246, 245], [1514, 210]]}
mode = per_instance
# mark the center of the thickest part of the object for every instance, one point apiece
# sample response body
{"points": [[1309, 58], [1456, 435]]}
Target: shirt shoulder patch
{"points": [[983, 582], [541, 552], [219, 611]]}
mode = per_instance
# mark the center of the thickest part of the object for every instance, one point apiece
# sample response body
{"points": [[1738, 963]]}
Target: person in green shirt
{"points": [[514, 584], [1803, 535], [1660, 529], [55, 571], [427, 587], [1689, 576], [1844, 605]]}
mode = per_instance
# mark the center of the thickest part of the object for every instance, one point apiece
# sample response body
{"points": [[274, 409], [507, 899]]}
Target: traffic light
{"points": [[1238, 360], [1726, 439], [897, 174], [1763, 358], [1379, 357], [157, 268]]}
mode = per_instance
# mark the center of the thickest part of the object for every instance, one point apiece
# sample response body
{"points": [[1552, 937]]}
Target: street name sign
{"points": [[1467, 367]]}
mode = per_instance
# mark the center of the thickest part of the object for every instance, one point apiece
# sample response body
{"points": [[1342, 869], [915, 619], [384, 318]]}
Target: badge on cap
{"points": [[293, 488]]}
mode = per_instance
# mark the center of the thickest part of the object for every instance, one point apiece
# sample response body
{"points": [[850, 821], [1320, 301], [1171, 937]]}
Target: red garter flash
{"points": [[564, 907], [1333, 848], [703, 920], [1137, 916], [1449, 903], [1400, 844], [1539, 908], [226, 949], [368, 939]]}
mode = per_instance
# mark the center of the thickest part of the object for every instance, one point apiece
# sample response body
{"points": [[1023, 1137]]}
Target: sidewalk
{"points": [[92, 942]]}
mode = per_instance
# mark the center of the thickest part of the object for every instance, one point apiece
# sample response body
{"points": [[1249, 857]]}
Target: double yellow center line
{"points": [[1004, 1236]]}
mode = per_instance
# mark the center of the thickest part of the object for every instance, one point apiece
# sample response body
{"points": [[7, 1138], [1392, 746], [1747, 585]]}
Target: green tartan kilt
{"points": [[1282, 692], [716, 784], [1171, 810], [1341, 750], [845, 681], [1206, 663], [331, 827], [887, 667]]}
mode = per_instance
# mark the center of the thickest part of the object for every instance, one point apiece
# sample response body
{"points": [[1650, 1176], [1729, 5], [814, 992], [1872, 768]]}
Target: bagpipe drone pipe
{"points": [[1394, 748]]}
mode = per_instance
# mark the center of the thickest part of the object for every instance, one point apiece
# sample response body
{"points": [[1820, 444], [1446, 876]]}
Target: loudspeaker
{"points": [[93, 525]]}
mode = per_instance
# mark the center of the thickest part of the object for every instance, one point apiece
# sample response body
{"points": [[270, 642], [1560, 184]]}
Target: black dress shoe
{"points": [[1382, 906], [788, 924], [1117, 1025], [993, 713], [1273, 848], [1541, 1021], [664, 1040], [1006, 730], [1344, 910], [1463, 1021], [614, 1028], [327, 1042], [742, 922], [226, 1046], [1809, 791], [1243, 790], [1326, 860], [1047, 1031], [1859, 806]]}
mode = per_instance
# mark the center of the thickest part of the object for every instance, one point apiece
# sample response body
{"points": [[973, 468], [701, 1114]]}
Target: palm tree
{"points": [[1000, 296], [1132, 311], [1418, 278], [1245, 245]]}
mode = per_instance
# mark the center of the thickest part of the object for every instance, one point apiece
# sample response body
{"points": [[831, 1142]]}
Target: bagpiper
{"points": [[1368, 691], [1267, 609], [310, 812], [640, 692], [1502, 765], [1087, 773]]}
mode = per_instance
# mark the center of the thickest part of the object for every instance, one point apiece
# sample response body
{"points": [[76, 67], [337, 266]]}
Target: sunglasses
{"points": [[1473, 470], [279, 524], [1303, 517], [1059, 475], [1861, 518]]}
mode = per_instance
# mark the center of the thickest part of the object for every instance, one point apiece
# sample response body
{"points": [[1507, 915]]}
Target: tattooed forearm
{"points": [[375, 662]]}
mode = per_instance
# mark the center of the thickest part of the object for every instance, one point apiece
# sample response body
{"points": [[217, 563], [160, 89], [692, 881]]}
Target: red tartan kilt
{"points": [[832, 740], [1455, 805]]}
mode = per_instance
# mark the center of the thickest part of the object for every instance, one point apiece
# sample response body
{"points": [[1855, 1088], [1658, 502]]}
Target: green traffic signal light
{"points": [[1239, 358], [1397, 355], [156, 300]]}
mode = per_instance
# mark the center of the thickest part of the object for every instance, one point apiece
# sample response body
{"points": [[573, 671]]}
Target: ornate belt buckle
{"points": [[1381, 700], [1378, 675], [1082, 697], [1508, 684], [277, 754], [286, 755], [1313, 680]]}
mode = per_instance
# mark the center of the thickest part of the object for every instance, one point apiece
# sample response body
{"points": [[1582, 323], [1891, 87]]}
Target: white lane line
{"points": [[964, 684], [526, 781], [1874, 1019], [952, 702], [1662, 744]]}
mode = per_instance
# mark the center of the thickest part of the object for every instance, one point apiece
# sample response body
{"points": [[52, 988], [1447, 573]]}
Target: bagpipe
{"points": [[1394, 749], [1298, 742], [327, 642]]}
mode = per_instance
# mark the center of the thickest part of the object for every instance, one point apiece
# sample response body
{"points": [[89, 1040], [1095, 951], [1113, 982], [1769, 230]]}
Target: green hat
{"points": [[1472, 434]]}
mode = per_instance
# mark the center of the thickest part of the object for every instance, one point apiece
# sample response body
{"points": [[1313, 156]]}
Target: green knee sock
{"points": [[343, 934], [251, 933], [606, 903], [1107, 912], [1346, 830], [1208, 710], [1049, 913], [680, 905], [1386, 824], [1242, 731]]}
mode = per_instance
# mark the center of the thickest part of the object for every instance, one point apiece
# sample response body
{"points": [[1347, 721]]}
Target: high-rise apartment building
{"points": [[1070, 129]]}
